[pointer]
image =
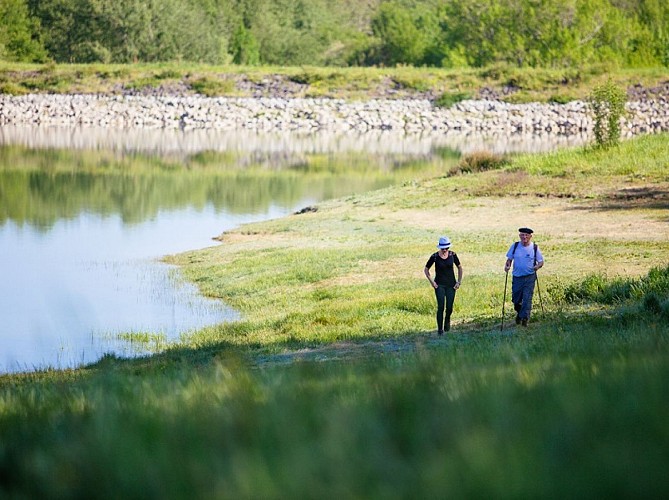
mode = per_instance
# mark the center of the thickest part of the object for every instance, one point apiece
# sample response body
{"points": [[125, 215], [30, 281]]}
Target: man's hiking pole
{"points": [[504, 300], [539, 290]]}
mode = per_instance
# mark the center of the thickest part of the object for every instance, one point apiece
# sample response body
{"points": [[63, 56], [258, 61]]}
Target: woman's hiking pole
{"points": [[504, 300]]}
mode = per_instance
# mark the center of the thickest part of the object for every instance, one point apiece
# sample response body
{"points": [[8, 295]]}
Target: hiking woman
{"points": [[444, 282]]}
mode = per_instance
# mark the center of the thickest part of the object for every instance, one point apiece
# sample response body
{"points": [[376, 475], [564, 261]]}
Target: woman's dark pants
{"points": [[445, 298]]}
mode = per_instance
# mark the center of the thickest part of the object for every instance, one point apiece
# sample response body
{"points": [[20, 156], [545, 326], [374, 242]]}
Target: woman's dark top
{"points": [[444, 268]]}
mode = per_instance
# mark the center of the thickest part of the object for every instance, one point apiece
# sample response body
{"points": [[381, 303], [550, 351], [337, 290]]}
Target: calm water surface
{"points": [[86, 215]]}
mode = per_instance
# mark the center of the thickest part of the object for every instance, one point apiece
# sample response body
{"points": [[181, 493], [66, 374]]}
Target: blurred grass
{"points": [[333, 385], [444, 86], [576, 409]]}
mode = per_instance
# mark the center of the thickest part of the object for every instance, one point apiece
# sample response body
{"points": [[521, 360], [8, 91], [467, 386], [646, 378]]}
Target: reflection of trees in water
{"points": [[184, 143], [51, 173], [40, 187]]}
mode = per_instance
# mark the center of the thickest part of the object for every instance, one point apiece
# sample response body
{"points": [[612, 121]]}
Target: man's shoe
{"points": [[524, 321], [517, 319]]}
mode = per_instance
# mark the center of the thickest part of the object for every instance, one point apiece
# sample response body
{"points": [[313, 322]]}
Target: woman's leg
{"points": [[440, 293], [450, 299]]}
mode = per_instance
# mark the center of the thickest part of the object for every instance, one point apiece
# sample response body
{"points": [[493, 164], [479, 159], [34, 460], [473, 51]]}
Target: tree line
{"points": [[435, 33]]}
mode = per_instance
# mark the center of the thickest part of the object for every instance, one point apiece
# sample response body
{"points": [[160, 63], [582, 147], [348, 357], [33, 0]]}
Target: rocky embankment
{"points": [[646, 114]]}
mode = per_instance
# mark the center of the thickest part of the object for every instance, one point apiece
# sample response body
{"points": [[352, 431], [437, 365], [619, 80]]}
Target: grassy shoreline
{"points": [[443, 86], [353, 269]]}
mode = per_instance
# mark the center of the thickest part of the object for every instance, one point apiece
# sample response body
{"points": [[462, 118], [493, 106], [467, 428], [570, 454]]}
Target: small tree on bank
{"points": [[608, 105]]}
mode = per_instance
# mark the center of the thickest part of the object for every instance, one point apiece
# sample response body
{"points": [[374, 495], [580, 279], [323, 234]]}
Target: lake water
{"points": [[86, 215]]}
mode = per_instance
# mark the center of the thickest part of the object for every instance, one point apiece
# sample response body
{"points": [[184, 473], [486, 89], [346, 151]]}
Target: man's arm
{"points": [[507, 266]]}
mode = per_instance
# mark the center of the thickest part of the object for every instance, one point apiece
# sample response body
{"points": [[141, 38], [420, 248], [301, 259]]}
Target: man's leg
{"points": [[517, 296], [527, 294]]}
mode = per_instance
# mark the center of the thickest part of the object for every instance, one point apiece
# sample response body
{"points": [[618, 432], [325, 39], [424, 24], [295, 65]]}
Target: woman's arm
{"points": [[460, 274], [429, 278]]}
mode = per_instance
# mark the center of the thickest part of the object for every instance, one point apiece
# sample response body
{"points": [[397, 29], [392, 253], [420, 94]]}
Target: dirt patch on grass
{"points": [[338, 351], [550, 217], [654, 197]]}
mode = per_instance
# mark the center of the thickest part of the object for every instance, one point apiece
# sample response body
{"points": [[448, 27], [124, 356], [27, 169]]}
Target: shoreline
{"points": [[268, 114]]}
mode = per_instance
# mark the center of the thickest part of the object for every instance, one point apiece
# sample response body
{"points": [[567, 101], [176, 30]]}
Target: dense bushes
{"points": [[318, 32], [652, 290]]}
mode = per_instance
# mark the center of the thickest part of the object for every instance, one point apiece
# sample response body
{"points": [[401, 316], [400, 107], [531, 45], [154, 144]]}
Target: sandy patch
{"points": [[555, 218]]}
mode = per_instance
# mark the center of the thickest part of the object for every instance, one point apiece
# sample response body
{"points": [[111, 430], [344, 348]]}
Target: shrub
{"points": [[608, 105], [652, 303], [478, 161], [597, 288], [448, 99], [213, 87]]}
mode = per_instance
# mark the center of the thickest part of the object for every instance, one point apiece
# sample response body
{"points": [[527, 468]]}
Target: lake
{"points": [[87, 214]]}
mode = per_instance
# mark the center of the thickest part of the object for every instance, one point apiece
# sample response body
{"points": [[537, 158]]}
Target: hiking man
{"points": [[527, 259]]}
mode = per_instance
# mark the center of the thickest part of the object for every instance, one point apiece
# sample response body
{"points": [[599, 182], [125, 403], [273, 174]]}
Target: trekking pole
{"points": [[504, 300], [539, 290]]}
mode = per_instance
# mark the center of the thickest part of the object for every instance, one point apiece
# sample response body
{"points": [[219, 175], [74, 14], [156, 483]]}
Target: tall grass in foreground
{"points": [[573, 409]]}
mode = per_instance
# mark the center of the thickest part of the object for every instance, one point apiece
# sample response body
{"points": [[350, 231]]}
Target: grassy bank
{"points": [[353, 269], [334, 385], [442, 85]]}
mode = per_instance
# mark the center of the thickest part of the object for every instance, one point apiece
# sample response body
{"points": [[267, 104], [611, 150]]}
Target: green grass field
{"points": [[334, 383]]}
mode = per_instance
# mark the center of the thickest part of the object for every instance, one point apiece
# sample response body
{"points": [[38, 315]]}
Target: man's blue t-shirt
{"points": [[523, 258]]}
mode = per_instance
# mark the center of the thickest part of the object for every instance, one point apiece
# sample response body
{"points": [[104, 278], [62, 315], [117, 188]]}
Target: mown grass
{"points": [[334, 385]]}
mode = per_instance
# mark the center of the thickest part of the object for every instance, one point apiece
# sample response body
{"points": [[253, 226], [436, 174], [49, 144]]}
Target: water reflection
{"points": [[184, 143], [40, 187]]}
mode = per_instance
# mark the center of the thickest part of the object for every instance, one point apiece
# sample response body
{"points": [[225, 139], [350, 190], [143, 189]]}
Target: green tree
{"points": [[399, 38], [450, 33], [548, 33], [245, 47], [129, 30], [19, 33], [653, 15]]}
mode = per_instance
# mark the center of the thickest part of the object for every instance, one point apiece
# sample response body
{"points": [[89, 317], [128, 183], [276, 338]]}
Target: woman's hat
{"points": [[444, 242]]}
